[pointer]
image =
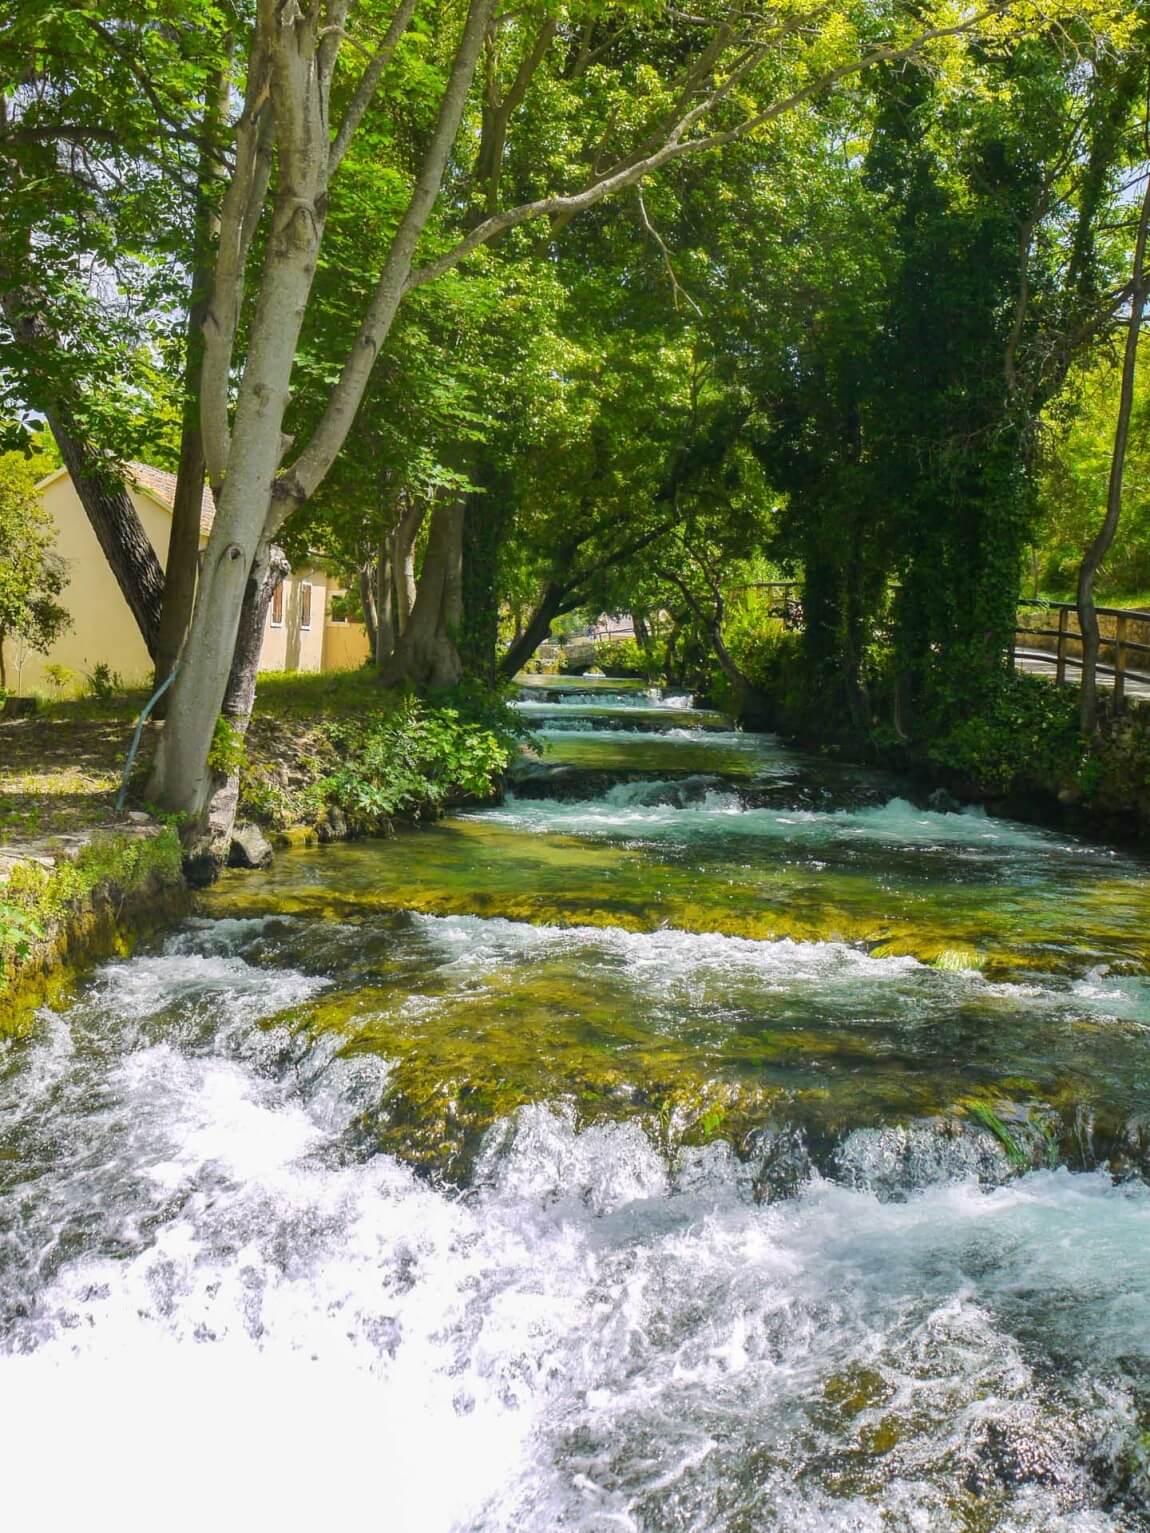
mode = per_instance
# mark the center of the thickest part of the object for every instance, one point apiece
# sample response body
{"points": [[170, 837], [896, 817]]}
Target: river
{"points": [[706, 1139]]}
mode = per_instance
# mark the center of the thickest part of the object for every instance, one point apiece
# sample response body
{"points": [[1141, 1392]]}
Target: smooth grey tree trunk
{"points": [[182, 568], [289, 81], [207, 851]]}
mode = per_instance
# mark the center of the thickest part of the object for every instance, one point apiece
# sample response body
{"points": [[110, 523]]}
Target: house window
{"points": [[278, 605], [305, 605]]}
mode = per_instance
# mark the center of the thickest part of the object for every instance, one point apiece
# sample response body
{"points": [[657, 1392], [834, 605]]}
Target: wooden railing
{"points": [[1063, 641], [789, 602], [1125, 634]]}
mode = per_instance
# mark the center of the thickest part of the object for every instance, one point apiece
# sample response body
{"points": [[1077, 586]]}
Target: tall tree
{"points": [[1100, 546], [100, 110]]}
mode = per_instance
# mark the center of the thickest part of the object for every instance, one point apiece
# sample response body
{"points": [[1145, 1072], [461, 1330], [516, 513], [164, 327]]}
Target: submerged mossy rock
{"points": [[451, 1077], [792, 1104], [759, 888]]}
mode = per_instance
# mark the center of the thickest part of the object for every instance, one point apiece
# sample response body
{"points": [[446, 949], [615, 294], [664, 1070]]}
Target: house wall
{"points": [[345, 646], [289, 646], [103, 628]]}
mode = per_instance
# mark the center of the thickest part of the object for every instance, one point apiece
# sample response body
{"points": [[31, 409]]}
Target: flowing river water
{"points": [[706, 1139]]}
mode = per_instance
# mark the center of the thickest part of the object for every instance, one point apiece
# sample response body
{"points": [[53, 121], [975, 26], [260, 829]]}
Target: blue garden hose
{"points": [[140, 722]]}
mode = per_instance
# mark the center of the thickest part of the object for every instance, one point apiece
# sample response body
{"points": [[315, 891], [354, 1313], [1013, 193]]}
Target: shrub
{"points": [[1027, 731], [413, 760], [59, 677], [627, 657], [104, 683]]}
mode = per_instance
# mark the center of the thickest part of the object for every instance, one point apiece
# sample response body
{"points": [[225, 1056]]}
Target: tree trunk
{"points": [[854, 635], [103, 494], [670, 657], [426, 654], [207, 851], [485, 527], [367, 574], [547, 609], [183, 542], [182, 568], [1087, 616], [287, 91], [118, 529], [752, 705], [385, 614], [245, 514], [403, 561]]}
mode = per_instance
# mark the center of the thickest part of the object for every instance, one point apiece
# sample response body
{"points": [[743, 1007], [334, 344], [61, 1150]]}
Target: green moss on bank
{"points": [[74, 907]]}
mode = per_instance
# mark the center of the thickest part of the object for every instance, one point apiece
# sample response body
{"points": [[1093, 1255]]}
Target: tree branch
{"points": [[677, 289], [369, 83], [239, 215], [675, 146], [298, 481]]}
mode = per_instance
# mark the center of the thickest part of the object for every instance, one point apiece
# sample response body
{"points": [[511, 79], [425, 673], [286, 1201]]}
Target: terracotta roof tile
{"points": [[161, 484]]}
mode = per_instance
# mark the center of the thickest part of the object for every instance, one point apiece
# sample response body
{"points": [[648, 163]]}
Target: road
{"points": [[1036, 662]]}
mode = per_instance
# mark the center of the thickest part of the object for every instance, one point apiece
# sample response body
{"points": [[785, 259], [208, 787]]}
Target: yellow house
{"points": [[299, 635]]}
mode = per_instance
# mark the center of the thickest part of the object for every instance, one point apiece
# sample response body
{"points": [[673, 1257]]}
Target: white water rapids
{"points": [[219, 1316]]}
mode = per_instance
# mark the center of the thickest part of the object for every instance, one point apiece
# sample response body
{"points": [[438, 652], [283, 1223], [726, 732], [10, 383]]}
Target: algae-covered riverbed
{"points": [[705, 1138]]}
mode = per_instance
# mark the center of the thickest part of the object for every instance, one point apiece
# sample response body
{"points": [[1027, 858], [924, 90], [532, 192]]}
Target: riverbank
{"points": [[77, 880], [1022, 756], [71, 898], [328, 757]]}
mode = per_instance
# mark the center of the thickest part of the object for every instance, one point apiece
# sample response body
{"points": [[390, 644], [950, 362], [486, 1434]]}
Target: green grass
{"points": [[61, 766], [1128, 600], [280, 694], [315, 695]]}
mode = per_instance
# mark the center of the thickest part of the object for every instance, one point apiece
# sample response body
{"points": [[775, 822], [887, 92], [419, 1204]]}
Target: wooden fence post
{"points": [[1060, 670], [1119, 662]]}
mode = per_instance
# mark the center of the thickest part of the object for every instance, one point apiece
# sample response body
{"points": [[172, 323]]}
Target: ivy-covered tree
{"points": [[31, 574]]}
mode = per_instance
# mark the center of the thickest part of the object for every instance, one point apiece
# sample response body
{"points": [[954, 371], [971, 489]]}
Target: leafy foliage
{"points": [[411, 761], [228, 751], [1025, 733], [1073, 481], [31, 575]]}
